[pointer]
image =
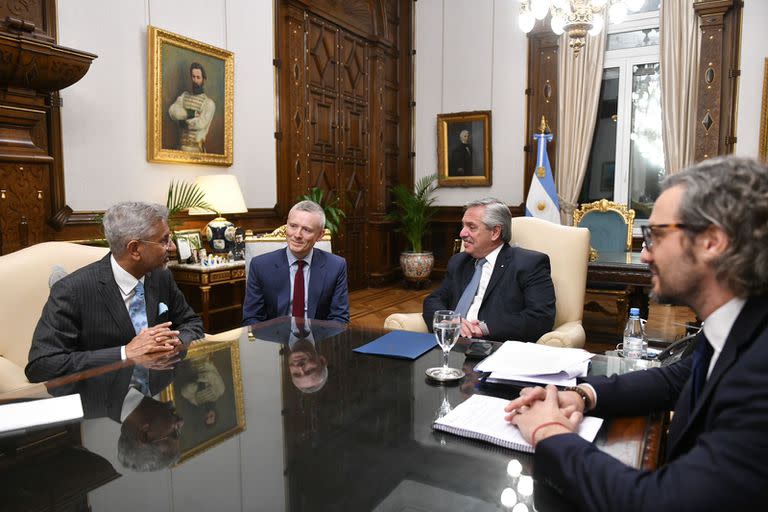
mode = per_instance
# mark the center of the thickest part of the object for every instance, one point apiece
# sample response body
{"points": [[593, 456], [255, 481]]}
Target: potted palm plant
{"points": [[413, 211]]}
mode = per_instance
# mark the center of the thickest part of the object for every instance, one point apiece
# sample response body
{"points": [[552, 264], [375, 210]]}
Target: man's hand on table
{"points": [[540, 413], [159, 338]]}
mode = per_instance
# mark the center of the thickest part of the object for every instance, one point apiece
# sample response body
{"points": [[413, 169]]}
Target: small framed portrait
{"points": [[188, 242], [464, 149], [190, 100], [207, 393]]}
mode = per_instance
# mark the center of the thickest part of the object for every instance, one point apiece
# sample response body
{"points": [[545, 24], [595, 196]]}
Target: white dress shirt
{"points": [[127, 285], [485, 277], [292, 266]]}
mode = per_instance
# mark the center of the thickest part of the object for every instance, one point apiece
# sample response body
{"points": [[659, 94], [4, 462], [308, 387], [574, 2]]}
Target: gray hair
{"points": [[311, 207], [731, 193], [136, 455], [496, 214], [128, 221]]}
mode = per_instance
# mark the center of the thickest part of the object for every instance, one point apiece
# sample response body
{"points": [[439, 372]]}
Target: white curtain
{"points": [[679, 63], [579, 79]]}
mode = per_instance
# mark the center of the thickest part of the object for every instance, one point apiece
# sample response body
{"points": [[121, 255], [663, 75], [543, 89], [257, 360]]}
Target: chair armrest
{"points": [[568, 335], [406, 322]]}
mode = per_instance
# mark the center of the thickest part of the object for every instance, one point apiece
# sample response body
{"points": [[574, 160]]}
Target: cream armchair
{"points": [[568, 251], [25, 275]]}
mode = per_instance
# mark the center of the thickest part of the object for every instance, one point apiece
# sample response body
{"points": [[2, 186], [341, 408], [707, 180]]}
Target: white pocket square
{"points": [[161, 308]]}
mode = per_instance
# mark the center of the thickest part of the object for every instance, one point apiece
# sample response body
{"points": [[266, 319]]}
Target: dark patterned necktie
{"points": [[297, 308], [702, 356]]}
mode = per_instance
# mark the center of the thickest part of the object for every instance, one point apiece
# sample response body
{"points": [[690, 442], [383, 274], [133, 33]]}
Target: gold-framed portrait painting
{"points": [[763, 149], [190, 100], [464, 149], [207, 393]]}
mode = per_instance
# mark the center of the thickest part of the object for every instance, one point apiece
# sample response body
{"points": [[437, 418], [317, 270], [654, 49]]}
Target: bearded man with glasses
{"points": [[123, 306], [707, 248]]}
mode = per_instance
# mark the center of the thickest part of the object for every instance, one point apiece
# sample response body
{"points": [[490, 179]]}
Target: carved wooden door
{"points": [[337, 135], [24, 205]]}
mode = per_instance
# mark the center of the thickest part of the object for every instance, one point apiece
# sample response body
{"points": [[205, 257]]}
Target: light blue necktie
{"points": [[137, 309], [468, 295]]}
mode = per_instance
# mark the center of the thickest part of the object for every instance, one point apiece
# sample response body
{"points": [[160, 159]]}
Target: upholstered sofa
{"points": [[25, 277], [568, 250]]}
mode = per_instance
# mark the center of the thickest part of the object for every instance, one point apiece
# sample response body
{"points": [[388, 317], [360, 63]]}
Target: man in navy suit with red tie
{"points": [[300, 280], [706, 244]]}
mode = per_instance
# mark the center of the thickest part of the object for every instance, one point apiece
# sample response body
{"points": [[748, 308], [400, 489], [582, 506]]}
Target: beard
{"points": [[684, 293], [198, 89]]}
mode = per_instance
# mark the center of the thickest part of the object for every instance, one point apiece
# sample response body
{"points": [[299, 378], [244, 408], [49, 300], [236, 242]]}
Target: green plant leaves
{"points": [[413, 209], [333, 214]]}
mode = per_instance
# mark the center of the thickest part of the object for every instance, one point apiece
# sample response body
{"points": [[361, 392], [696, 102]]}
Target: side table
{"points": [[215, 293]]}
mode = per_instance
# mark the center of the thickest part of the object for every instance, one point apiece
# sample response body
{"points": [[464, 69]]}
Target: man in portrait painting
{"points": [[194, 112], [460, 163]]}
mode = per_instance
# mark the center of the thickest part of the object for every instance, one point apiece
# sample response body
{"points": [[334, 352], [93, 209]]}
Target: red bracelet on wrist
{"points": [[547, 424]]}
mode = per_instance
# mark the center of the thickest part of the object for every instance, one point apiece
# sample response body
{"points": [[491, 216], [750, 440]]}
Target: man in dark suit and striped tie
{"points": [[706, 244], [122, 306]]}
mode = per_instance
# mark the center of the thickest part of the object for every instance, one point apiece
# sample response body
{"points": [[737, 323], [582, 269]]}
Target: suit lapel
{"points": [[283, 283], [316, 281], [113, 300], [744, 331], [502, 263], [152, 296]]}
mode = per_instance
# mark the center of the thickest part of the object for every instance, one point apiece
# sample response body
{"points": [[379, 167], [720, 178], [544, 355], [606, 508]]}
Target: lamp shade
{"points": [[222, 192]]}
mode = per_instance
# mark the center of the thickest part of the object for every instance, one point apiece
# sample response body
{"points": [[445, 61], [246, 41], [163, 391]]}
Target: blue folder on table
{"points": [[401, 344]]}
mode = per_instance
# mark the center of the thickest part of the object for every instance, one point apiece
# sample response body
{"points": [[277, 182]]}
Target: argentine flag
{"points": [[542, 197]]}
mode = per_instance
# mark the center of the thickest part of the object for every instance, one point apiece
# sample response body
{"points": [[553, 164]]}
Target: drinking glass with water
{"points": [[447, 327]]}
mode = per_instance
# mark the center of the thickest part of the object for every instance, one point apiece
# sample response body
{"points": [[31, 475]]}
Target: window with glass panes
{"points": [[626, 162]]}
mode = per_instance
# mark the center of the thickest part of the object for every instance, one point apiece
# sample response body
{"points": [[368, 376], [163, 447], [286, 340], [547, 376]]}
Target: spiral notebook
{"points": [[482, 417]]}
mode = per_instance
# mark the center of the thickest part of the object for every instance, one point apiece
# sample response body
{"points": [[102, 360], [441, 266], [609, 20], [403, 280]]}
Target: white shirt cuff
{"points": [[123, 357]]}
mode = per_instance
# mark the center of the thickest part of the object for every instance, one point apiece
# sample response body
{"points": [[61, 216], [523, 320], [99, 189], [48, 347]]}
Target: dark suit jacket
{"points": [[85, 321], [717, 455], [268, 293], [461, 163], [519, 302]]}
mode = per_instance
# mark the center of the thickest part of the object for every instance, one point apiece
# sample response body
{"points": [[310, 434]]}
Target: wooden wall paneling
{"points": [[345, 105], [720, 25], [542, 96]]}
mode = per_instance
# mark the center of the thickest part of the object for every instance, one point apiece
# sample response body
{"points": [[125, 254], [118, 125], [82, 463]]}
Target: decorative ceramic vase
{"points": [[417, 265], [221, 235]]}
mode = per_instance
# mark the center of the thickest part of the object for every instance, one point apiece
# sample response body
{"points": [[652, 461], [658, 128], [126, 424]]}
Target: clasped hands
{"points": [[471, 329], [543, 412], [159, 338]]}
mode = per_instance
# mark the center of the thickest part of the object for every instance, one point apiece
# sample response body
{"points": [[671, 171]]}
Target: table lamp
{"points": [[222, 192]]}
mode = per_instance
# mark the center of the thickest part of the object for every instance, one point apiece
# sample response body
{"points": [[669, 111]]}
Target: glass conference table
{"points": [[271, 422]]}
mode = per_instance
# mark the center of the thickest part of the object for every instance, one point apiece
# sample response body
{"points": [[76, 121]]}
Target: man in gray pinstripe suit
{"points": [[86, 323]]}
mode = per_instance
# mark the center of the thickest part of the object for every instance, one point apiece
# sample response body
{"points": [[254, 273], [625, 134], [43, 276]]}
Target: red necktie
{"points": [[297, 309]]}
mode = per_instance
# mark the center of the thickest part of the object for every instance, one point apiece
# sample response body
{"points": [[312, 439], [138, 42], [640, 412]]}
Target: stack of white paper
{"points": [[531, 362], [16, 417]]}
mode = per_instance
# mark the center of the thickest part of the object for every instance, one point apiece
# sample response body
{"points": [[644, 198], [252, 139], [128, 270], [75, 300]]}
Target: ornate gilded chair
{"points": [[609, 224], [268, 242], [610, 227]]}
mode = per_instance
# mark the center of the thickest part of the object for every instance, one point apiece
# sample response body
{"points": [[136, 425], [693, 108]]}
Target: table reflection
{"points": [[361, 440]]}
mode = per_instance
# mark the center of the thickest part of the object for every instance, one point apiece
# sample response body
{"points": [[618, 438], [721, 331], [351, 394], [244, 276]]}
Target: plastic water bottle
{"points": [[633, 335]]}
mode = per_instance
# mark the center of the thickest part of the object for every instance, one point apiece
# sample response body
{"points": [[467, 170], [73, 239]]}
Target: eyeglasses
{"points": [[166, 242], [653, 231]]}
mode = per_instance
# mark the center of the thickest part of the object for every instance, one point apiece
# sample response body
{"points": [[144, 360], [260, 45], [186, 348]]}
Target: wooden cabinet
{"points": [[215, 293], [32, 71]]}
